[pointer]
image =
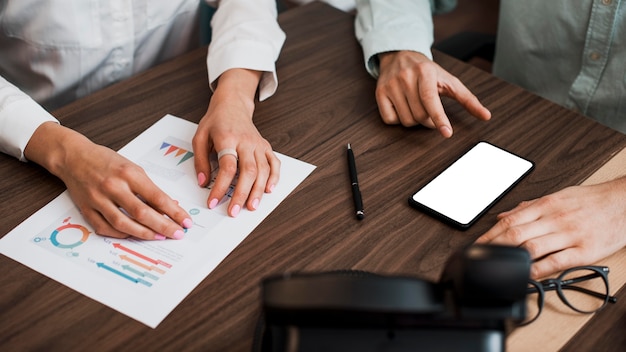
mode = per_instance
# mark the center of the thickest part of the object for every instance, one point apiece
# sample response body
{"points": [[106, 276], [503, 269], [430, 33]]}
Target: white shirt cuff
{"points": [[19, 118], [246, 54]]}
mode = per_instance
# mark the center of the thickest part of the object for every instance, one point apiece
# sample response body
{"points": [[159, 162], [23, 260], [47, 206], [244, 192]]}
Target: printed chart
{"points": [[145, 279]]}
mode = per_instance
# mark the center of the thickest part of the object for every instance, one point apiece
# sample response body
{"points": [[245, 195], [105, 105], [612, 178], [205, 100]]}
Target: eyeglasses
{"points": [[584, 289]]}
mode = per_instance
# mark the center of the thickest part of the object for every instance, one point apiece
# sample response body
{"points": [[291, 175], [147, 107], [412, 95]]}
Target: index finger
{"points": [[431, 101], [458, 91], [523, 213], [201, 148], [150, 204]]}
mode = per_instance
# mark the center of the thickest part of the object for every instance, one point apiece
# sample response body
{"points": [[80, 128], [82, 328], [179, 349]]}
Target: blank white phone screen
{"points": [[473, 182]]}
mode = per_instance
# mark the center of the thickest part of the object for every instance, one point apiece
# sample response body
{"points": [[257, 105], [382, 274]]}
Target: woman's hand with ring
{"points": [[227, 128]]}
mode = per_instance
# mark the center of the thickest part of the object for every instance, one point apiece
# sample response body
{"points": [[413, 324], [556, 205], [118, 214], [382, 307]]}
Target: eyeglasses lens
{"points": [[584, 290], [533, 303]]}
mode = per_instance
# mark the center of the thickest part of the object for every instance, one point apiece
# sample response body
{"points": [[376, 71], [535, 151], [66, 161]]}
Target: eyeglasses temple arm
{"points": [[611, 299]]}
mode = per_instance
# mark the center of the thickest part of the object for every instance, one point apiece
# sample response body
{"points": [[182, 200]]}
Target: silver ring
{"points": [[227, 151]]}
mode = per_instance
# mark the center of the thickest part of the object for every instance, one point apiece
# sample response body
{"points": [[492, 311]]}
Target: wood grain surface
{"points": [[325, 100]]}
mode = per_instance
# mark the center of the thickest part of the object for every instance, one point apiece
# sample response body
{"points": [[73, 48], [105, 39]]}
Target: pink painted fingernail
{"points": [[187, 223], [235, 210], [159, 237], [213, 203], [201, 178], [255, 203], [271, 188], [179, 234]]}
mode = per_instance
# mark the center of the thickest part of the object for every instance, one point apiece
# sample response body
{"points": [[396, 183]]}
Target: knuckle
{"points": [[408, 78], [549, 201], [532, 247], [100, 229], [410, 122], [140, 213], [381, 91], [158, 200], [524, 204], [198, 141], [568, 223], [118, 235], [144, 234], [389, 121], [423, 67], [249, 171], [429, 94], [455, 82], [117, 222], [557, 262], [419, 115], [276, 161], [535, 272], [263, 168], [509, 221], [267, 147], [128, 170], [514, 234], [553, 261], [109, 185], [229, 168], [165, 229]]}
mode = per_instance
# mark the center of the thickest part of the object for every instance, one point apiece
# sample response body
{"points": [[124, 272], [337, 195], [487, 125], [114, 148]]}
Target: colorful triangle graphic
{"points": [[179, 151]]}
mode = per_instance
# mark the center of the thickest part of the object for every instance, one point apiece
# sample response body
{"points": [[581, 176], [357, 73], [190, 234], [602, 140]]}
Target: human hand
{"points": [[113, 194], [575, 226], [408, 92], [227, 125]]}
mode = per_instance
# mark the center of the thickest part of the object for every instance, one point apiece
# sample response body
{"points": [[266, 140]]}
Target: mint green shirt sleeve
{"points": [[392, 25]]}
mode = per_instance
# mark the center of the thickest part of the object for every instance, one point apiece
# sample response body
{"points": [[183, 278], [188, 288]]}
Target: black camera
{"points": [[480, 296]]}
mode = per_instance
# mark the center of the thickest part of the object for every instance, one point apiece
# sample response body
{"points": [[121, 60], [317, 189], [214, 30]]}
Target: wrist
{"points": [[237, 86], [389, 56], [51, 145], [386, 56], [238, 80]]}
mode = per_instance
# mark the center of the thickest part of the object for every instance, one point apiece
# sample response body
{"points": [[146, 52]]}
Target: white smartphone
{"points": [[471, 185]]}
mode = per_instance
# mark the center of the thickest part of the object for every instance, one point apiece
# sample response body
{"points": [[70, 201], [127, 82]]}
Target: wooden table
{"points": [[325, 100]]}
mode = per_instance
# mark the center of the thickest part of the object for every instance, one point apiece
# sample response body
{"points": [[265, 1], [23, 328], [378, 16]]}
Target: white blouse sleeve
{"points": [[20, 116], [246, 34]]}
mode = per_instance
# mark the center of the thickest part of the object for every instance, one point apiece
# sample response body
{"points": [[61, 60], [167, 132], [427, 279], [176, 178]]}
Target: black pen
{"points": [[356, 193]]}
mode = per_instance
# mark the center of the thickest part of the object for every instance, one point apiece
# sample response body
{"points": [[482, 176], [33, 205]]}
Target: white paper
{"points": [[145, 280]]}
